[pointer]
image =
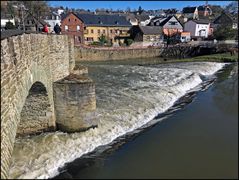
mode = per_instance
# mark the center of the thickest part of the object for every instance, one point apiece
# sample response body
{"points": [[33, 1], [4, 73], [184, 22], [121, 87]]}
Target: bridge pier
{"points": [[75, 103]]}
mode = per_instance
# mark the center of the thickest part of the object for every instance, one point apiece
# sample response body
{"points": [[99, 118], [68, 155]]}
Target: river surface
{"points": [[197, 137]]}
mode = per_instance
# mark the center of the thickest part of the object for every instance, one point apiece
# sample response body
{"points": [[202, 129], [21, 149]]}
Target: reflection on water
{"points": [[226, 91]]}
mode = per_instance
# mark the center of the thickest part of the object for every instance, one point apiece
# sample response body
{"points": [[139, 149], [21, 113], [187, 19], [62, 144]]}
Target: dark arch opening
{"points": [[37, 113]]}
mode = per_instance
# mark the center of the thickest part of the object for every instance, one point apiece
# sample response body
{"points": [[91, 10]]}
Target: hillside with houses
{"points": [[107, 27]]}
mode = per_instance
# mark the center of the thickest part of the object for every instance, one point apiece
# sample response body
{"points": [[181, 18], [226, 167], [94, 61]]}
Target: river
{"points": [[129, 97]]}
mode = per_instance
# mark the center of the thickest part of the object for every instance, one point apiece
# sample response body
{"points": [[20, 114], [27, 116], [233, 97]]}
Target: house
{"points": [[143, 20], [148, 35], [170, 25], [190, 13], [73, 26], [226, 19], [52, 19], [131, 18], [185, 36], [204, 10], [6, 18], [114, 27], [197, 28], [32, 23]]}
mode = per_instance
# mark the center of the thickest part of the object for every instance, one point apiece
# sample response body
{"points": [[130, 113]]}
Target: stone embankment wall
{"points": [[26, 59], [94, 54], [173, 51]]}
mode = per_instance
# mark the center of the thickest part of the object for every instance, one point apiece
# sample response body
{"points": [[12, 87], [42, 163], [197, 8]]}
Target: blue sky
{"points": [[92, 5]]}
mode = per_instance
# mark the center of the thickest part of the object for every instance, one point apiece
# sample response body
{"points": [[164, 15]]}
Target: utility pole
{"points": [[23, 24], [21, 9]]}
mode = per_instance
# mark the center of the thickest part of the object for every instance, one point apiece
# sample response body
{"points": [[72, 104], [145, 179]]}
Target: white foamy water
{"points": [[128, 97]]}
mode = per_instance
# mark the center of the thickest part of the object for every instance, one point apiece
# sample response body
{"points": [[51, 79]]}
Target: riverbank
{"points": [[222, 57]]}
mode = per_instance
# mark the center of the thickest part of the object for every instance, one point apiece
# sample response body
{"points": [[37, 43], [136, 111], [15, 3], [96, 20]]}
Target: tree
{"points": [[140, 10], [102, 39], [128, 9], [232, 7], [37, 8], [225, 32]]}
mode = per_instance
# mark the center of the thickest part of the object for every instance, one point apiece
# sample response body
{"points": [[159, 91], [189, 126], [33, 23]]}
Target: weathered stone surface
{"points": [[75, 102], [26, 59], [91, 54]]}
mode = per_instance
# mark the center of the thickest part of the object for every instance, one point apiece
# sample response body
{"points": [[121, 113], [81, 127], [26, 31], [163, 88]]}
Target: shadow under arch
{"points": [[37, 113]]}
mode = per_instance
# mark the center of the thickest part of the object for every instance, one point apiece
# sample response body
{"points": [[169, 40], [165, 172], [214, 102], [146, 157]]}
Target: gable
{"points": [[172, 23]]}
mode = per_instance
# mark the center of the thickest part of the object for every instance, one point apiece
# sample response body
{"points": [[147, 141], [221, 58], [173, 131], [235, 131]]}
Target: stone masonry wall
{"points": [[75, 102], [93, 54], [26, 59]]}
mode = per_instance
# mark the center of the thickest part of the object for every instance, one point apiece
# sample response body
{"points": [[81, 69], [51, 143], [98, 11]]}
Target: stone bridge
{"points": [[38, 83]]}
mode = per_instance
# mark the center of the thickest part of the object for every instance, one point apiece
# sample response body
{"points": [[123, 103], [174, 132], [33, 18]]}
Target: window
{"points": [[66, 28], [120, 31], [98, 31], [92, 31], [89, 39], [78, 28], [103, 31], [79, 38], [75, 19], [111, 31], [69, 19], [172, 23]]}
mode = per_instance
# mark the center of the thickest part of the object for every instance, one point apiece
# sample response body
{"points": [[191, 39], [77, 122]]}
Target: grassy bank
{"points": [[223, 57]]}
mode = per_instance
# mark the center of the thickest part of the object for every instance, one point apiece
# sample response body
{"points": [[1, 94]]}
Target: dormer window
{"points": [[116, 22], [100, 22]]}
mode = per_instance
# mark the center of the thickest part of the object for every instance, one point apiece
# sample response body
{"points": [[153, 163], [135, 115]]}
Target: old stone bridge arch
{"points": [[27, 60]]}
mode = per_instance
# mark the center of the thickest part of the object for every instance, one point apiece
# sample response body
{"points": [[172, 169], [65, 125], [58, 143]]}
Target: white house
{"points": [[52, 19], [197, 28], [5, 19]]}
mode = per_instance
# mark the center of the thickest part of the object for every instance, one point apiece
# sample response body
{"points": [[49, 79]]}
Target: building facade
{"points": [[52, 19], [73, 26], [114, 28], [170, 25], [148, 35], [197, 28]]}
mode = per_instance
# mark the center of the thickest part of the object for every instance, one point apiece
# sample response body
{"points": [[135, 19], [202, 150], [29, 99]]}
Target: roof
{"points": [[219, 19], [142, 17], [103, 20], [147, 30], [201, 21], [189, 9], [201, 8]]}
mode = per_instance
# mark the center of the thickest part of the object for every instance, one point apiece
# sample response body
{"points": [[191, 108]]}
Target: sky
{"points": [[92, 5]]}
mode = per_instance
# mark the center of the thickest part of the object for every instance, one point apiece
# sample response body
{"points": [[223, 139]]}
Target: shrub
{"points": [[128, 42], [9, 25]]}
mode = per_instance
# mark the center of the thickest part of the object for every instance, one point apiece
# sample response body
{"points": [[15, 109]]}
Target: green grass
{"points": [[222, 57]]}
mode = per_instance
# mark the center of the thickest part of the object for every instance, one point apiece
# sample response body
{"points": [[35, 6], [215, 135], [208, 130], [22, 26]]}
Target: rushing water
{"points": [[128, 97]]}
